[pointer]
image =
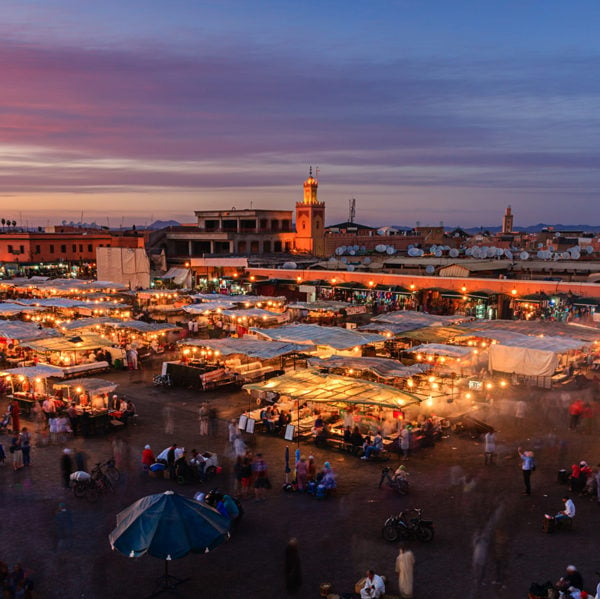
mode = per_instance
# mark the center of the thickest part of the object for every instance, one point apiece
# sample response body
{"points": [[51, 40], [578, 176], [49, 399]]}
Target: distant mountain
{"points": [[161, 224]]}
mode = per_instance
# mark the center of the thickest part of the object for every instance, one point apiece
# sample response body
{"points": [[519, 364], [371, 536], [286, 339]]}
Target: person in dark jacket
{"points": [[293, 570]]}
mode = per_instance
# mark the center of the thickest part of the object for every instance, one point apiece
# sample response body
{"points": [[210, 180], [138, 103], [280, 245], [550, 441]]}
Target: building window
{"points": [[22, 249], [90, 247], [52, 248], [38, 249], [63, 249], [81, 247], [10, 249], [74, 247]]}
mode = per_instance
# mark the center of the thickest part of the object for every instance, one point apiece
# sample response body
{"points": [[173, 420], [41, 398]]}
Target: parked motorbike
{"points": [[399, 483], [407, 525]]}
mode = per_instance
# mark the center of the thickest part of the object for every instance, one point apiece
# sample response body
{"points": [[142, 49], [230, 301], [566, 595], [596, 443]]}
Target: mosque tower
{"points": [[310, 220], [507, 221]]}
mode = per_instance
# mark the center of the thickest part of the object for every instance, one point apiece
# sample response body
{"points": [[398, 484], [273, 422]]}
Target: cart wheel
{"points": [[390, 533]]}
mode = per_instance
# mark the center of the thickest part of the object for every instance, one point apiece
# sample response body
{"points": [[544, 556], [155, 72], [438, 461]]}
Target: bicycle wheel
{"points": [[79, 489], [112, 474], [390, 533], [424, 534]]}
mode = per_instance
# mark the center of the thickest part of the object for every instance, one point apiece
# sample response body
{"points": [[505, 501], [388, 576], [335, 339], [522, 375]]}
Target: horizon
{"points": [[420, 112]]}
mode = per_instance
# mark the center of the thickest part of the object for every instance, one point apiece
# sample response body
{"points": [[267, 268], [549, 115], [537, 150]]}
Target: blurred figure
{"points": [[293, 570], [66, 466], [405, 563]]}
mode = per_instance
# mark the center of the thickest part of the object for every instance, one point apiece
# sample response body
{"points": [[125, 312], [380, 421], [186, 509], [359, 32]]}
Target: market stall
{"points": [[28, 384]]}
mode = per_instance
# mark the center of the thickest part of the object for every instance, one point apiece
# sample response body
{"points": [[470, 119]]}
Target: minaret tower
{"points": [[310, 220], [507, 221]]}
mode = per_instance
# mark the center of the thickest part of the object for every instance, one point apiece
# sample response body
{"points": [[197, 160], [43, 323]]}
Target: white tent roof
{"points": [[92, 385], [308, 385], [254, 348], [207, 307], [420, 319], [322, 306], [13, 308], [42, 371], [238, 299], [441, 349], [25, 331], [554, 344], [255, 313], [313, 334], [382, 367]]}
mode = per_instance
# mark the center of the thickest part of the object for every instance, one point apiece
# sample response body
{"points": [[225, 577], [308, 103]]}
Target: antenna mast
{"points": [[352, 210]]}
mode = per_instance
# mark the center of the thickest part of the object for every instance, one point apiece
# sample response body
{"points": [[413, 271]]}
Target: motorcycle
{"points": [[407, 525], [398, 482]]}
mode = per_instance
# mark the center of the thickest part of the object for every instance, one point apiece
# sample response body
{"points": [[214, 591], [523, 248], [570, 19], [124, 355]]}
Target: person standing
{"points": [[212, 421], [147, 458], [17, 452], [261, 478], [527, 466], [15, 414], [26, 446], [490, 447], [293, 571], [405, 441], [66, 466], [203, 418], [575, 412], [405, 563]]}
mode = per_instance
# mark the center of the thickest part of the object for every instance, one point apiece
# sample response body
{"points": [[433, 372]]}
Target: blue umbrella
{"points": [[168, 526]]}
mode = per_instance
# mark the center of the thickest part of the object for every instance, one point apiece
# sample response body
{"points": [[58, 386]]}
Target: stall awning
{"points": [[309, 385], [81, 343], [434, 334], [92, 386], [313, 334], [42, 371], [253, 348], [25, 331], [381, 367], [208, 307], [452, 351], [421, 319]]}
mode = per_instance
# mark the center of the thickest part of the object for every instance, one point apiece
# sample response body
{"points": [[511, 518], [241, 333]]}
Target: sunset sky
{"points": [[428, 111]]}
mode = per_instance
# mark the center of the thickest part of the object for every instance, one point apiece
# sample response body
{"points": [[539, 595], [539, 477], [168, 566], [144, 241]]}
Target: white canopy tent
{"points": [[441, 349], [381, 367], [253, 348]]}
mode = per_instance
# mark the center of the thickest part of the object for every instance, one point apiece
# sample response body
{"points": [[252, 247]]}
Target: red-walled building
{"points": [[62, 245]]}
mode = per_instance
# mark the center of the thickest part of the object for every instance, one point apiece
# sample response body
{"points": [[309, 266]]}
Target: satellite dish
{"points": [[350, 267], [540, 245], [367, 260], [430, 269], [410, 246], [557, 234], [420, 252], [476, 253], [432, 249], [575, 255], [499, 252], [565, 255], [469, 252], [438, 253], [412, 251], [524, 255], [380, 248], [290, 265], [589, 249], [453, 253], [390, 251], [508, 254], [338, 251], [345, 260], [540, 255], [352, 253], [332, 259]]}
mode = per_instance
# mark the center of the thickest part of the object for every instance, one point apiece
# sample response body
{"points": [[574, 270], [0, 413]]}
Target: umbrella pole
{"points": [[167, 582]]}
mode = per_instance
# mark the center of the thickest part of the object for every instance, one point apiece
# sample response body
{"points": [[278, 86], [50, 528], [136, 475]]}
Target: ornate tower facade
{"points": [[507, 221], [310, 220]]}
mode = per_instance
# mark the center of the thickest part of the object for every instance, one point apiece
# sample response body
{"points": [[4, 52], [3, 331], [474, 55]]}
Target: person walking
{"points": [[405, 441], [261, 478], [490, 447], [405, 563], [66, 466], [26, 446], [527, 466], [293, 570], [17, 452], [203, 419], [15, 416]]}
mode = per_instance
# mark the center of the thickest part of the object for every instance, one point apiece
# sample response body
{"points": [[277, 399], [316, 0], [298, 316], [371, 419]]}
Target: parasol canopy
{"points": [[168, 526]]}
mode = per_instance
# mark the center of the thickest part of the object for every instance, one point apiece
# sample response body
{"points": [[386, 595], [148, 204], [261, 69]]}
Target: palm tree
{"points": [[3, 221], [14, 223]]}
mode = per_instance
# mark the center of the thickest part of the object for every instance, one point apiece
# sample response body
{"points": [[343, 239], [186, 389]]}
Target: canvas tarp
{"points": [[313, 334], [253, 348], [382, 367], [41, 371], [522, 360], [453, 351], [308, 385], [128, 266]]}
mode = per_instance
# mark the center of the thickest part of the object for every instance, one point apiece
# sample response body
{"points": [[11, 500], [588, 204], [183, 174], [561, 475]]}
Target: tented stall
{"points": [[91, 392], [441, 349], [532, 356], [329, 340], [29, 383], [381, 368]]}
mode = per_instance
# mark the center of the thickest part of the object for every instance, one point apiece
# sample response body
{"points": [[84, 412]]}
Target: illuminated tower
{"points": [[507, 221], [310, 220]]}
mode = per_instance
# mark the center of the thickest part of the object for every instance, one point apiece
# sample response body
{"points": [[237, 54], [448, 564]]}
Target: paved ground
{"points": [[339, 537]]}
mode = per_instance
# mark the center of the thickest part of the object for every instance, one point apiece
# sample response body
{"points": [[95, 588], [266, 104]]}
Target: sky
{"points": [[423, 111]]}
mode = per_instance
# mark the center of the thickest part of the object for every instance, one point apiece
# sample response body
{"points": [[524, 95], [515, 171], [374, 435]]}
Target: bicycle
{"points": [[94, 484]]}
